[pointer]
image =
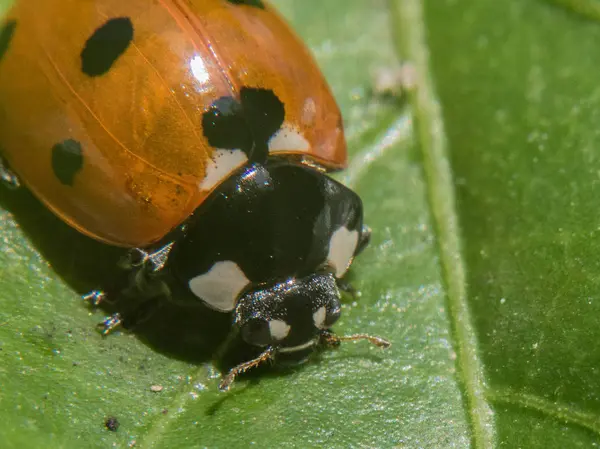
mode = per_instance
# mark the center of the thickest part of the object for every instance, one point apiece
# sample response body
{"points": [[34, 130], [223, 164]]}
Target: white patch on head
{"points": [[221, 163], [341, 250], [288, 139], [319, 318], [220, 286], [279, 329]]}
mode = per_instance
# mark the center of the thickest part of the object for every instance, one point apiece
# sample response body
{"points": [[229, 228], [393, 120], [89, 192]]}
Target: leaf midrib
{"points": [[408, 24]]}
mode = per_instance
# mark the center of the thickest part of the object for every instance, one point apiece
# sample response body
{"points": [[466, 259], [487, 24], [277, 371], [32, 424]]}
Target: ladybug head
{"points": [[289, 316], [289, 320]]}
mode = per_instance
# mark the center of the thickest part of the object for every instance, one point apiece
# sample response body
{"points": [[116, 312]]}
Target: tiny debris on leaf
{"points": [[111, 423]]}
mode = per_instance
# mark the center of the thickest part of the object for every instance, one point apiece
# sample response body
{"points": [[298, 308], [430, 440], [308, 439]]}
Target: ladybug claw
{"points": [[328, 338], [243, 367], [110, 323], [95, 297]]}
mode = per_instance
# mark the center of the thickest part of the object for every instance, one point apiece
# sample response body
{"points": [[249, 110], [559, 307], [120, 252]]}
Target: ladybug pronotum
{"points": [[198, 134]]}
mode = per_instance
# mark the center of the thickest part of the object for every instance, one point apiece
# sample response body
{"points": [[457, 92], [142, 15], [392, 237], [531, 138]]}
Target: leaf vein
{"points": [[562, 412], [587, 8], [400, 130], [409, 25]]}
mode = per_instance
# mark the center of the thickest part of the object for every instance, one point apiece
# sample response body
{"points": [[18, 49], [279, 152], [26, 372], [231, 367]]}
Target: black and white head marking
{"points": [[289, 315], [278, 329], [319, 317]]}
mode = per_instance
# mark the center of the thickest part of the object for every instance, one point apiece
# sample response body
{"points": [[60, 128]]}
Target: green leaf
{"points": [[482, 269], [520, 101]]}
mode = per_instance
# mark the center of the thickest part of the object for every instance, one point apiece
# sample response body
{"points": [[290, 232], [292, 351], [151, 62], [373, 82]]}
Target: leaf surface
{"points": [[482, 270]]}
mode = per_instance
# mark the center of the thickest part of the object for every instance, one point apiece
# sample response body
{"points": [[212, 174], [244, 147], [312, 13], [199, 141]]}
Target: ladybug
{"points": [[198, 134]]}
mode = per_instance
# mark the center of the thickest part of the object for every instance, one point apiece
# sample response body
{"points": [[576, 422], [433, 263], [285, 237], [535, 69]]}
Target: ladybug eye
{"points": [[332, 316], [325, 317], [256, 332]]}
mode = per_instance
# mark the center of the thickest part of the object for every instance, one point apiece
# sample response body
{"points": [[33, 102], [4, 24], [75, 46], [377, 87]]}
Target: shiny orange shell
{"points": [[138, 127]]}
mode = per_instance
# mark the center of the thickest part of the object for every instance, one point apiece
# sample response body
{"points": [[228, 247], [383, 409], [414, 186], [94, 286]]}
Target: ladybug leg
{"points": [[129, 265], [131, 318], [94, 297], [141, 281], [268, 354], [145, 297], [110, 323], [328, 339], [7, 177], [137, 268]]}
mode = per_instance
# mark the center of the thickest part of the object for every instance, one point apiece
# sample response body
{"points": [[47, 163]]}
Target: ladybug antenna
{"points": [[243, 367], [330, 339]]}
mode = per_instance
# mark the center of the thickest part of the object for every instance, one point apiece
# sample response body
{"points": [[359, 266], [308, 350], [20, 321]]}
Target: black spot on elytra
{"points": [[6, 33], [105, 46], [67, 160], [255, 3], [247, 124]]}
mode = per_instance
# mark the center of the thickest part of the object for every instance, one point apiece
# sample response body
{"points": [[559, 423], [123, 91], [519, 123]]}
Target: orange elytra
{"points": [[102, 105]]}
